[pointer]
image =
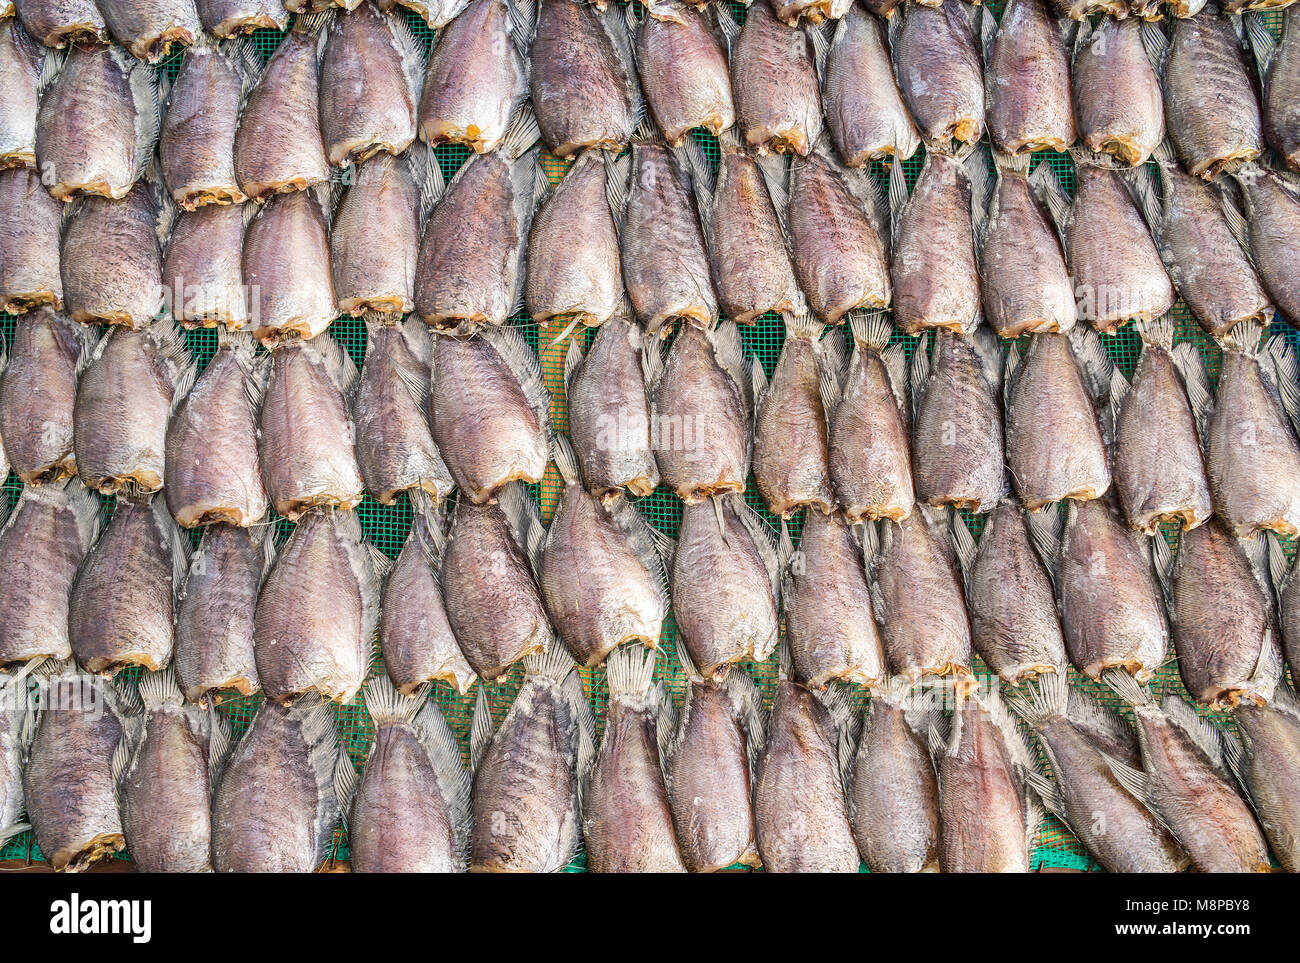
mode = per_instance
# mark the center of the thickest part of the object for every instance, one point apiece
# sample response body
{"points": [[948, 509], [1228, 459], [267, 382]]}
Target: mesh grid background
{"points": [[387, 526]]}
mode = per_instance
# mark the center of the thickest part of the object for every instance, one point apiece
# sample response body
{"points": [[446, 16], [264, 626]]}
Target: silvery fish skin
{"points": [[701, 410], [43, 543], [893, 792], [496, 376], [724, 590], [1118, 105], [68, 780], [1024, 282], [218, 417], [869, 432], [29, 243], [279, 146], [836, 219], [214, 618], [1205, 259], [799, 808], [920, 607], [1054, 445], [583, 82], [585, 279], [609, 408], [120, 610], [1077, 733], [1273, 229], [477, 76], [526, 779], [626, 820], [196, 144], [38, 390], [395, 449], [830, 625], [988, 818], [203, 271], [57, 23], [318, 610], [864, 109], [369, 85], [410, 812], [940, 72], [276, 804], [1116, 266], [1255, 486], [16, 718], [163, 771], [1281, 105], [1210, 100], [665, 264], [111, 260], [125, 397], [709, 767], [287, 268], [1111, 607], [774, 78], [306, 430], [933, 271], [148, 28], [489, 583], [229, 18], [1265, 764], [752, 270], [437, 13], [622, 596], [1012, 602], [791, 449], [1223, 620], [414, 633], [1157, 464], [957, 434], [21, 62], [1028, 78], [683, 67], [1185, 782], [97, 123]]}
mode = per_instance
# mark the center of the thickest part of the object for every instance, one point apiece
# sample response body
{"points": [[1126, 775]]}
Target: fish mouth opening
{"points": [[76, 34], [1025, 673], [135, 485], [263, 192], [1185, 518], [1032, 145], [236, 26], [156, 48], [215, 515], [67, 191], [107, 666], [376, 303], [100, 847], [702, 492], [26, 301], [16, 159], [1225, 164], [294, 508], [202, 196], [46, 474], [1126, 150], [195, 322], [211, 693], [1133, 667]]}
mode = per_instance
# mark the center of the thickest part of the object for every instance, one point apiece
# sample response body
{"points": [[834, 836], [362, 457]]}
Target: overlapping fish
{"points": [[30, 220]]}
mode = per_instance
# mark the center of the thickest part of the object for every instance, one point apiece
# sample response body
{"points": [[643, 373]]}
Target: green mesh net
{"points": [[387, 526]]}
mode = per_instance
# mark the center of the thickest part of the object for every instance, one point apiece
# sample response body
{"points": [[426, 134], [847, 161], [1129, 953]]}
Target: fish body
{"points": [[148, 28], [1265, 764], [1281, 108], [196, 144], [203, 268], [29, 243], [21, 64], [286, 266], [38, 390], [940, 71], [1028, 78], [774, 79], [111, 260], [230, 18], [57, 23], [1273, 231], [683, 67], [1118, 105]]}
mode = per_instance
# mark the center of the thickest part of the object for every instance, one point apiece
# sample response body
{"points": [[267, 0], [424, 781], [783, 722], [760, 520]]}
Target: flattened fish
{"points": [[38, 390], [1263, 757], [286, 784], [203, 267], [196, 145], [126, 395], [1157, 464], [477, 78], [229, 18], [774, 78], [1077, 734], [287, 267], [318, 611], [212, 471], [609, 408], [490, 411], [97, 124], [395, 449], [528, 774], [701, 412], [57, 23], [1027, 80], [1118, 105], [724, 585], [489, 583], [414, 632], [112, 260], [29, 243], [626, 821], [410, 812], [621, 595], [22, 64], [1273, 231], [864, 109], [583, 80], [306, 428], [1279, 69], [682, 59], [214, 618], [148, 28], [957, 446], [16, 718], [791, 449], [940, 70], [47, 535], [370, 75]]}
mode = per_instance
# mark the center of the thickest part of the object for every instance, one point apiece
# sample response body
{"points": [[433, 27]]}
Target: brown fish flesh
{"points": [[1028, 80], [287, 268], [196, 145], [1118, 105], [774, 78], [111, 259], [375, 238], [683, 66], [203, 267], [940, 73], [29, 243]]}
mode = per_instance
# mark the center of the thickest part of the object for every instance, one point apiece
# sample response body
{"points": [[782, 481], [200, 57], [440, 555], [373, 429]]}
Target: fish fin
{"points": [[1094, 718], [482, 729], [764, 540], [387, 706], [983, 189], [802, 324], [1204, 733], [175, 355], [651, 547], [687, 664], [727, 24], [919, 375], [702, 180], [1158, 331], [338, 364], [630, 670], [832, 363], [1262, 46], [964, 547], [1187, 360], [1053, 195], [1045, 533], [758, 383], [121, 759], [573, 359], [51, 64], [1156, 45], [573, 690], [729, 352], [345, 786], [775, 171], [410, 51], [652, 363], [1143, 187], [1009, 373], [748, 701], [523, 24], [1041, 700], [522, 133], [1235, 759], [522, 361], [439, 742], [616, 28], [158, 689], [521, 512], [1236, 222], [1119, 387], [665, 722], [1130, 691], [145, 95], [617, 172], [1286, 373], [898, 198], [816, 34], [938, 732], [1162, 562], [871, 329], [1014, 163], [1049, 793], [432, 184], [1279, 569], [1136, 783], [220, 745], [565, 460], [1094, 364]]}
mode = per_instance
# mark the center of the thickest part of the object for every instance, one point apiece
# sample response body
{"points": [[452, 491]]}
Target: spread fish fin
{"points": [[482, 729]]}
